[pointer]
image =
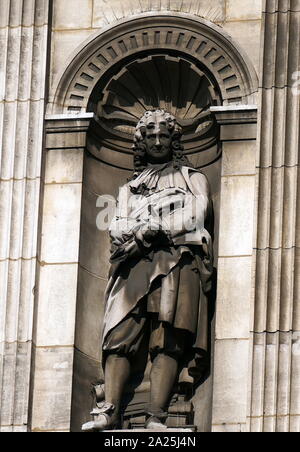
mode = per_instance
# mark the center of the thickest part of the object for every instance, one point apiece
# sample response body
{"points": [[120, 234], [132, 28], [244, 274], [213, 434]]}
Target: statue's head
{"points": [[157, 140]]}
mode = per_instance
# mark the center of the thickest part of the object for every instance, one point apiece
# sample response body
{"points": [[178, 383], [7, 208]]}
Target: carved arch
{"points": [[190, 36]]}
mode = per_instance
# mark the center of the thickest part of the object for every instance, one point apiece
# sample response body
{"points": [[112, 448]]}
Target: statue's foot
{"points": [[89, 427], [103, 422], [105, 418], [153, 423]]}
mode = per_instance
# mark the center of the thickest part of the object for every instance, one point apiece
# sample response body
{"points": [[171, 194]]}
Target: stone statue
{"points": [[162, 266]]}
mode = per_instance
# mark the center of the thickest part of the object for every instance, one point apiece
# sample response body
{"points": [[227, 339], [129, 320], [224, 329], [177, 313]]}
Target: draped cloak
{"points": [[176, 200]]}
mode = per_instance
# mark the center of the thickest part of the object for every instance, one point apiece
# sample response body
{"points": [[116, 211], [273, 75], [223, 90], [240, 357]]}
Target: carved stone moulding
{"points": [[179, 63], [178, 35]]}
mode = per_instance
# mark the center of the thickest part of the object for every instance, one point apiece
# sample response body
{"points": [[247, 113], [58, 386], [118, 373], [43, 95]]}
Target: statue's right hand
{"points": [[151, 237], [126, 251]]}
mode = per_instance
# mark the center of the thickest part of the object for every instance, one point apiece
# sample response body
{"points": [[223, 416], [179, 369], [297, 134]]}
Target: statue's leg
{"points": [[162, 378], [117, 372], [119, 347], [166, 345]]}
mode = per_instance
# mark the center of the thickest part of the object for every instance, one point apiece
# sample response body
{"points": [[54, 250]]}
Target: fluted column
{"points": [[275, 401], [23, 43]]}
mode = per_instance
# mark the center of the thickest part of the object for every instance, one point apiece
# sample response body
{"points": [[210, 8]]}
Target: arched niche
{"points": [[100, 79], [144, 34]]}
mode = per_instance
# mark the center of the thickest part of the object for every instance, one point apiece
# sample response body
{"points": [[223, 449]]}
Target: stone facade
{"points": [[57, 59], [275, 377], [24, 43]]}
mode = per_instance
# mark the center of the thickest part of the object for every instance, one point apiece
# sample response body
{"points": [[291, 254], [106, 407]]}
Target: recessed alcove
{"points": [[94, 111], [162, 81]]}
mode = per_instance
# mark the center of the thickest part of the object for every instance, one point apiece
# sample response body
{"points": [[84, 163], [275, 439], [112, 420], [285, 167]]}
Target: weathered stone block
{"points": [[237, 216], [65, 137], [230, 382], [248, 35], [56, 305], [105, 13], [244, 10], [72, 14], [234, 298], [52, 386], [61, 219], [64, 166], [239, 158], [64, 44]]}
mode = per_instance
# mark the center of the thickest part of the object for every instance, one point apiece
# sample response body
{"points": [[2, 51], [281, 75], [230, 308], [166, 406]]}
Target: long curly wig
{"points": [[139, 146]]}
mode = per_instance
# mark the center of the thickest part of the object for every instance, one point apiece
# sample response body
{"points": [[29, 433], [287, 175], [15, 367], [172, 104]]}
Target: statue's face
{"points": [[158, 141]]}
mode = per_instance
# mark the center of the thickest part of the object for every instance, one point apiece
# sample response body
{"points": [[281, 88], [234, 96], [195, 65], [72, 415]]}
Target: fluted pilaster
{"points": [[23, 38], [275, 404]]}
